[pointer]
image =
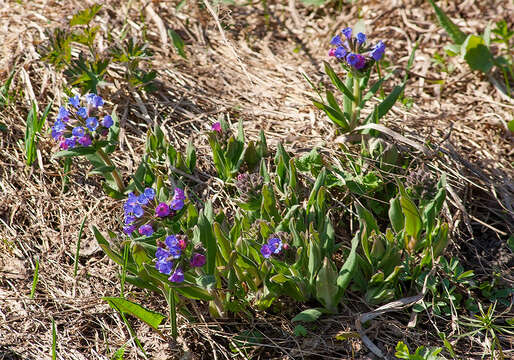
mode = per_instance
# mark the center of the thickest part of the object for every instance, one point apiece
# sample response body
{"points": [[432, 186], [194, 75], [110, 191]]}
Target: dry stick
{"points": [[225, 40]]}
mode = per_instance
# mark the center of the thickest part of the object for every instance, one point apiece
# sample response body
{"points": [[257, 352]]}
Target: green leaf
{"points": [[395, 215], [177, 42], [308, 315], [190, 156], [85, 16], [75, 152], [412, 218], [3, 127], [195, 293], [346, 272], [389, 101], [206, 281], [477, 54], [299, 330], [152, 318], [208, 240], [451, 28], [326, 287], [337, 81]]}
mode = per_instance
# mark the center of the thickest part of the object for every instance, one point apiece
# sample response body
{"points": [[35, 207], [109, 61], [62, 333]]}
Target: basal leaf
{"points": [[150, 317]]}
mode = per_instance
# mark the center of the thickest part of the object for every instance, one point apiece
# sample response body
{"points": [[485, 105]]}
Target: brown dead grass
{"points": [[252, 70]]}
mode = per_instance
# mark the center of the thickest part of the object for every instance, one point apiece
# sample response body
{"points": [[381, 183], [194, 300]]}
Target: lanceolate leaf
{"points": [[337, 81], [152, 318], [451, 28]]}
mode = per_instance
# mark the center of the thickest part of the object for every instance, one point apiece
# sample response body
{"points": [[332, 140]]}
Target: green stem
{"points": [[356, 102], [114, 172], [173, 313], [379, 72]]}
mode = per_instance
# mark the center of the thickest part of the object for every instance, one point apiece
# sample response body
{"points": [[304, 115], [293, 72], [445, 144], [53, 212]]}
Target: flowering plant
{"points": [[357, 58], [83, 128]]}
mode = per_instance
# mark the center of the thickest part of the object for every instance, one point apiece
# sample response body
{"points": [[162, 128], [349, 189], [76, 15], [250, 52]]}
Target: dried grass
{"points": [[247, 62]]}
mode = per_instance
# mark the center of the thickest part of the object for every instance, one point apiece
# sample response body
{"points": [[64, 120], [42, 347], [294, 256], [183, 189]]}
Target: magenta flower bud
{"points": [[332, 52], [182, 243], [216, 127], [162, 210], [198, 260]]}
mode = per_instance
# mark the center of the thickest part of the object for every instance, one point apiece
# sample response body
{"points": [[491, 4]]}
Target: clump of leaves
{"points": [[88, 69]]}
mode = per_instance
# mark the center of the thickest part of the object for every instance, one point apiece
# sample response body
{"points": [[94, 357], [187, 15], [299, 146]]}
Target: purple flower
{"points": [[266, 251], [340, 52], [176, 204], [107, 121], [164, 266], [175, 252], [275, 245], [197, 260], [85, 140], [162, 210], [361, 38], [70, 142], [78, 131], [347, 32], [356, 60], [216, 127], [56, 134], [336, 40], [63, 114], [91, 123], [179, 194], [58, 129], [149, 193], [161, 254], [378, 51], [129, 229], [74, 101], [82, 112], [146, 230], [178, 276]]}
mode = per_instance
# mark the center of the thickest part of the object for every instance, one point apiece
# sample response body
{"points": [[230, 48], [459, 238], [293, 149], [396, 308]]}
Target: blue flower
{"points": [[70, 142], [171, 241], [142, 199], [82, 112], [146, 230], [378, 51], [275, 245], [347, 32], [266, 251], [177, 204], [63, 114], [179, 194], [356, 60], [178, 276], [56, 134], [161, 254], [107, 121], [94, 100], [164, 266], [91, 123], [129, 219], [336, 40], [361, 38], [175, 252], [78, 131], [74, 101], [85, 140], [129, 229], [340, 52], [149, 193], [138, 211]]}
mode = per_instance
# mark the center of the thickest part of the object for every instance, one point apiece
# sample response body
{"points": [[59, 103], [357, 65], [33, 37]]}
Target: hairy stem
{"points": [[356, 102]]}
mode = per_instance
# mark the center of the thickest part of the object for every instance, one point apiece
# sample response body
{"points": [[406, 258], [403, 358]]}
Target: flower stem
{"points": [[173, 312], [356, 102], [114, 172]]}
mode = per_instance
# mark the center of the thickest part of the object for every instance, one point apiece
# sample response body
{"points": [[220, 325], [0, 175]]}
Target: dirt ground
{"points": [[245, 61]]}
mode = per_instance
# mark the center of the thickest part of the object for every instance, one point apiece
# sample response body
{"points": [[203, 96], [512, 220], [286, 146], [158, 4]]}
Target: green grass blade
{"points": [[54, 341], [77, 252], [35, 280]]}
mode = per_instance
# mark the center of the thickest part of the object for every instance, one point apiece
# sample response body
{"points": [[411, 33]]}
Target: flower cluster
{"points": [[141, 211], [168, 257], [273, 247], [354, 51], [249, 186], [79, 125]]}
